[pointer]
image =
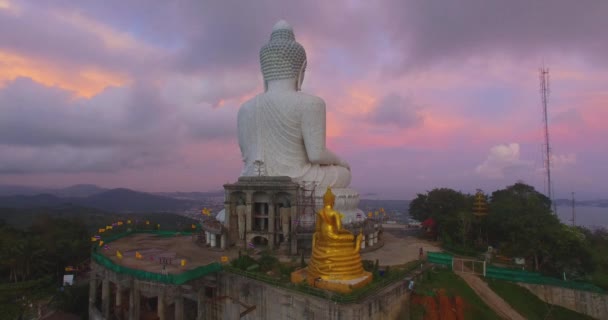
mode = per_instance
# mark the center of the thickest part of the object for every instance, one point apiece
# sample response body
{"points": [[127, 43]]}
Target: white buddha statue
{"points": [[282, 131]]}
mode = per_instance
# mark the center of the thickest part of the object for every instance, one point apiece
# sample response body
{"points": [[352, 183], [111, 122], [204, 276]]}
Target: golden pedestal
{"points": [[341, 286]]}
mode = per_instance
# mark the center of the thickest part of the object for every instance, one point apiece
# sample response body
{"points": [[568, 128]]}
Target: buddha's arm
{"points": [[313, 132], [335, 235]]}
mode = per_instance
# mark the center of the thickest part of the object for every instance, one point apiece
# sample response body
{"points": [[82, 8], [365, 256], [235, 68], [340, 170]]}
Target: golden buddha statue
{"points": [[335, 251]]}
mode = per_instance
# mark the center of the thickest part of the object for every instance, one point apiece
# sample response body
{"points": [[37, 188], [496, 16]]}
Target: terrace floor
{"points": [[156, 249]]}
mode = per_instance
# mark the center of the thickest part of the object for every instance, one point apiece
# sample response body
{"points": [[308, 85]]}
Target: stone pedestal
{"points": [[342, 286]]}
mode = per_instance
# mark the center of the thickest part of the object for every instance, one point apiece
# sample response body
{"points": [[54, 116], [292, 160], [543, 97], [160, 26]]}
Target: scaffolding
{"points": [[307, 204]]}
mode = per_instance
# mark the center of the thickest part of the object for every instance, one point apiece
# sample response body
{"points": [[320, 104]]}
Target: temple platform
{"points": [[158, 250]]}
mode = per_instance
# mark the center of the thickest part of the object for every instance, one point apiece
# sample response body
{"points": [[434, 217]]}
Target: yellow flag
{"points": [[118, 254], [101, 243], [158, 226], [102, 230], [108, 227], [224, 259], [369, 214], [119, 223], [93, 239], [193, 226], [138, 255], [183, 262], [147, 222], [206, 211], [128, 221]]}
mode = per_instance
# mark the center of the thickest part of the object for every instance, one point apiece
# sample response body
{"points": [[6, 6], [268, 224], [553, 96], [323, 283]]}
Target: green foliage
{"points": [[368, 265], [450, 209], [521, 224], [243, 262], [73, 299], [267, 262], [529, 305]]}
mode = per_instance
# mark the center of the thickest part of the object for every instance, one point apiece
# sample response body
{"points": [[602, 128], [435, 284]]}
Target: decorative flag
{"points": [[108, 227], [158, 226], [69, 269], [106, 247], [183, 262], [114, 224], [93, 239], [376, 212], [369, 214], [251, 245], [119, 223], [193, 226], [128, 221], [102, 230], [224, 259], [118, 254], [97, 237], [138, 255], [101, 243], [147, 222], [206, 211]]}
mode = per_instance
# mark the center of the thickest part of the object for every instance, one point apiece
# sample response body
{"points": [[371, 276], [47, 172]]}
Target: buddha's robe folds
{"points": [[335, 251], [283, 134]]}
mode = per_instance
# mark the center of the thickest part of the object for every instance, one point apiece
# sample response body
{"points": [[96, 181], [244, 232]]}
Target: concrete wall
{"points": [[589, 303], [279, 303]]}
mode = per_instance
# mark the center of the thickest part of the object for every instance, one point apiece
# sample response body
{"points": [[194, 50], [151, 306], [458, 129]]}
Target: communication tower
{"points": [[544, 94]]}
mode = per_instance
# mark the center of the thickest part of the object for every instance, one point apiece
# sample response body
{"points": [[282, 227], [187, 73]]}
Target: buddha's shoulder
{"points": [[310, 99]]}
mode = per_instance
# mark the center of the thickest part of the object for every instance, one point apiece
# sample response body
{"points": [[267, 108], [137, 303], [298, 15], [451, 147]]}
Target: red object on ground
{"points": [[441, 307], [429, 223]]}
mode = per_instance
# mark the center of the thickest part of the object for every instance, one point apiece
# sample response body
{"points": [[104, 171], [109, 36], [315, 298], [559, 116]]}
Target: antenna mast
{"points": [[544, 93]]}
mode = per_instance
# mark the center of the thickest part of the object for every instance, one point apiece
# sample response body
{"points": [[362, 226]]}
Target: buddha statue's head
{"points": [[283, 57], [329, 198]]}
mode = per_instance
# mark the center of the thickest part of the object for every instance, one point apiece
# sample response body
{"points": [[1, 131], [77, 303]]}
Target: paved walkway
{"points": [[494, 301], [399, 249]]}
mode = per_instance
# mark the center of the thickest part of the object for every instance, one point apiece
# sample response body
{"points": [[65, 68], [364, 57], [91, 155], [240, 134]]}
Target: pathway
{"points": [[490, 297]]}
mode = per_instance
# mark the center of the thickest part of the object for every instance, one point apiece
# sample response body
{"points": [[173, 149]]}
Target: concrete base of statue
{"points": [[341, 286]]}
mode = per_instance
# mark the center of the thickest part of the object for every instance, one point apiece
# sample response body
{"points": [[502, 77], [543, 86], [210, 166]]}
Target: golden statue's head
{"points": [[329, 198]]}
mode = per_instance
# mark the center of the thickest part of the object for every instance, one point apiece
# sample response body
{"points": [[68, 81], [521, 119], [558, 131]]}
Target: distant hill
{"points": [[200, 196], [79, 190], [114, 200], [92, 218]]}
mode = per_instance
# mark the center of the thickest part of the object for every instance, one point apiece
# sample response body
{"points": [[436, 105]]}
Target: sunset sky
{"points": [[419, 94]]}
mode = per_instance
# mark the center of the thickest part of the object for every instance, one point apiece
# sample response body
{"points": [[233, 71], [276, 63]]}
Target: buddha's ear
{"points": [[300, 78]]}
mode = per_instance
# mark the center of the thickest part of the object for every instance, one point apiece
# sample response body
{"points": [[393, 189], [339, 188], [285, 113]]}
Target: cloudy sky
{"points": [[420, 94]]}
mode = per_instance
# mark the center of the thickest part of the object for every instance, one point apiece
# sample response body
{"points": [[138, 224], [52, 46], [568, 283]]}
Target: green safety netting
{"points": [[537, 278], [517, 275], [145, 275], [439, 258]]}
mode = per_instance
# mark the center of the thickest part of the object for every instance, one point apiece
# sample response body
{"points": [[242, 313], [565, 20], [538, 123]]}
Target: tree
{"points": [[449, 208], [522, 224]]}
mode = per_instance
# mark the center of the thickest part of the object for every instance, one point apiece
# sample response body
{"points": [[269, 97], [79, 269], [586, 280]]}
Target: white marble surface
{"points": [[282, 131]]}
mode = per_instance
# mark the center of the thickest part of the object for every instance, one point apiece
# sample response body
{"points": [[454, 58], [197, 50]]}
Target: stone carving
{"points": [[284, 129]]}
